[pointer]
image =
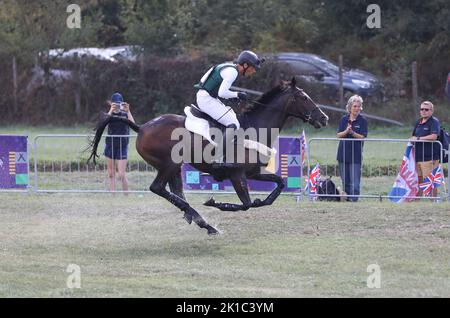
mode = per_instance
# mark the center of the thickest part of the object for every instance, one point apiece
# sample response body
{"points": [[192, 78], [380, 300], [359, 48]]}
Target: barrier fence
{"points": [[60, 166]]}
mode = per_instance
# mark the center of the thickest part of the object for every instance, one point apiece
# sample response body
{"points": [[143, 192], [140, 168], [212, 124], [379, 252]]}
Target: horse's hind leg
{"points": [[159, 187], [176, 185], [240, 185]]}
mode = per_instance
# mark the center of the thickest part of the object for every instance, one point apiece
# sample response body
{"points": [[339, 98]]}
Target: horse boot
{"points": [[228, 141]]}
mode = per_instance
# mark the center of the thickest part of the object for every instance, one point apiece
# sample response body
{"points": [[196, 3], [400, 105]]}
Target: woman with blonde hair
{"points": [[351, 126]]}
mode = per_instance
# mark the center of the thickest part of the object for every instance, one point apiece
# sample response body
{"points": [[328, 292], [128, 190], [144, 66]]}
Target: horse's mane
{"points": [[266, 98]]}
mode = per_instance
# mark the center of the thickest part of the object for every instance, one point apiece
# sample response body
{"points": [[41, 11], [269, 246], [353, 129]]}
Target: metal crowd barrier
{"points": [[60, 166]]}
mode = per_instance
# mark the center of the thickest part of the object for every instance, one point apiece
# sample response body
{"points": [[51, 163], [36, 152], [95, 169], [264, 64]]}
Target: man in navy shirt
{"points": [[354, 126], [427, 154]]}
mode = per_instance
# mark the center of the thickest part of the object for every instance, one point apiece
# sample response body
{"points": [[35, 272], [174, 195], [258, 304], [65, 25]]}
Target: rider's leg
{"points": [[228, 143], [216, 109], [225, 116]]}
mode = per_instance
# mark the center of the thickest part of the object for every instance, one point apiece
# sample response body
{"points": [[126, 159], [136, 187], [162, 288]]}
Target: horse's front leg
{"points": [[239, 182], [274, 194]]}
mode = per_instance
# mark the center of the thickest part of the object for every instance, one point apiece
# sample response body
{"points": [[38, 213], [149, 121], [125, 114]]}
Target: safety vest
{"points": [[214, 80]]}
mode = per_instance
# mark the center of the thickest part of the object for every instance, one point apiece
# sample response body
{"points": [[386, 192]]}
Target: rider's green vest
{"points": [[214, 80]]}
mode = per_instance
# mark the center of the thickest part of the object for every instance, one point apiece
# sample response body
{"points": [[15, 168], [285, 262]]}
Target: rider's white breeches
{"points": [[216, 109]]}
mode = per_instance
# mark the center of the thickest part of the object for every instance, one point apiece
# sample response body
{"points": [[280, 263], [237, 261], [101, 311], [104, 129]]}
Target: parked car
{"points": [[116, 54], [113, 54], [322, 77]]}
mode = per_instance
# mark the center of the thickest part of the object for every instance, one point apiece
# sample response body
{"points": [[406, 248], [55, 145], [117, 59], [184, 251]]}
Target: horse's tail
{"points": [[100, 127]]}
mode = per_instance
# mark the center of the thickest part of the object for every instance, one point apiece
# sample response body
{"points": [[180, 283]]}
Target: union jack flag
{"points": [[434, 180], [314, 177]]}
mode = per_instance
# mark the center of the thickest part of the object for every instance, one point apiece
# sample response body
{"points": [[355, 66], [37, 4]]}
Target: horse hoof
{"points": [[212, 230], [188, 218], [257, 202], [210, 202]]}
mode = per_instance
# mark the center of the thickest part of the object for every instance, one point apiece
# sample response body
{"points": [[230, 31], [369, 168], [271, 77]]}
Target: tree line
{"points": [[182, 37]]}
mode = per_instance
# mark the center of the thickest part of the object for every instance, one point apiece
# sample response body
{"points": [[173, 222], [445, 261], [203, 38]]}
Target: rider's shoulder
{"points": [[228, 68]]}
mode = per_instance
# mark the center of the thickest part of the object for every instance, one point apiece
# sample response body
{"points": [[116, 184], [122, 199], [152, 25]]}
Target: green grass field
{"points": [[139, 246]]}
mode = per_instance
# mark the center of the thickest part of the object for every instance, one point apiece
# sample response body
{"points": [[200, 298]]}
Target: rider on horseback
{"points": [[216, 83]]}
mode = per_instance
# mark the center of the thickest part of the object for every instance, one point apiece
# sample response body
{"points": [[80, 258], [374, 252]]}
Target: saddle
{"points": [[195, 111], [200, 123]]}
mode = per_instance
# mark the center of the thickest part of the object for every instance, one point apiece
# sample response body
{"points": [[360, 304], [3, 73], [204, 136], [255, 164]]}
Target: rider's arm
{"points": [[229, 75]]}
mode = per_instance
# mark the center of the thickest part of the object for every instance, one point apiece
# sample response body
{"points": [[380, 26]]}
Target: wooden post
{"points": [[78, 90], [341, 81], [141, 64], [415, 89], [14, 70]]}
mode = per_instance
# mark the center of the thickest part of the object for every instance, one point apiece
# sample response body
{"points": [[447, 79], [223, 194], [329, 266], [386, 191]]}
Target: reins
{"points": [[307, 117]]}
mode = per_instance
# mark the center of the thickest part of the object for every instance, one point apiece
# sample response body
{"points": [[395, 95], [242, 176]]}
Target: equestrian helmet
{"points": [[250, 58]]}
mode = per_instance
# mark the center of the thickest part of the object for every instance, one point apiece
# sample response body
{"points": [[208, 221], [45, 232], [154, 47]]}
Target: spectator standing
{"points": [[426, 154], [116, 148], [349, 156]]}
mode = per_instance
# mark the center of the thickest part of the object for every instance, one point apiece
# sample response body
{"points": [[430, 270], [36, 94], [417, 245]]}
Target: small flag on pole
{"points": [[314, 178], [434, 180], [303, 147]]}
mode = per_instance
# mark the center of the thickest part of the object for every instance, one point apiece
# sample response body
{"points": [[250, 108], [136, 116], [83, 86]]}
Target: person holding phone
{"points": [[116, 147], [353, 126]]}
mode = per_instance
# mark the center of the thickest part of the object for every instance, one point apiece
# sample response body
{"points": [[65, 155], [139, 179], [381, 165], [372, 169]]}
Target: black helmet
{"points": [[250, 58]]}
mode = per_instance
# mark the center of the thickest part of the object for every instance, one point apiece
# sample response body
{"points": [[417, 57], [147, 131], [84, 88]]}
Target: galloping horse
{"points": [[154, 143]]}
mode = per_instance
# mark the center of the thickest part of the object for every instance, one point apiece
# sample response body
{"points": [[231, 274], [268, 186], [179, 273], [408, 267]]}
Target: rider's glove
{"points": [[243, 96]]}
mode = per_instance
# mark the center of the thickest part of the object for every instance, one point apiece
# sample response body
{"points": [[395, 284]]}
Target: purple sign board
{"points": [[288, 166], [13, 162]]}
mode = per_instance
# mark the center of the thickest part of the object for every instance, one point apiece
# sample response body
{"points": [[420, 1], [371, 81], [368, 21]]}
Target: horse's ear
{"points": [[293, 82]]}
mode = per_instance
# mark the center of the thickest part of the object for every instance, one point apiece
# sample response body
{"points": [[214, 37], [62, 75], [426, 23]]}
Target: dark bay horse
{"points": [[154, 143]]}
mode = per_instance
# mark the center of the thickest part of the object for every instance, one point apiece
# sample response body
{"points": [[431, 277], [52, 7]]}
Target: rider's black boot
{"points": [[228, 141]]}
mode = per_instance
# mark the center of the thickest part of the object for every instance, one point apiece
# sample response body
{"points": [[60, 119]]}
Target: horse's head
{"points": [[302, 106]]}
